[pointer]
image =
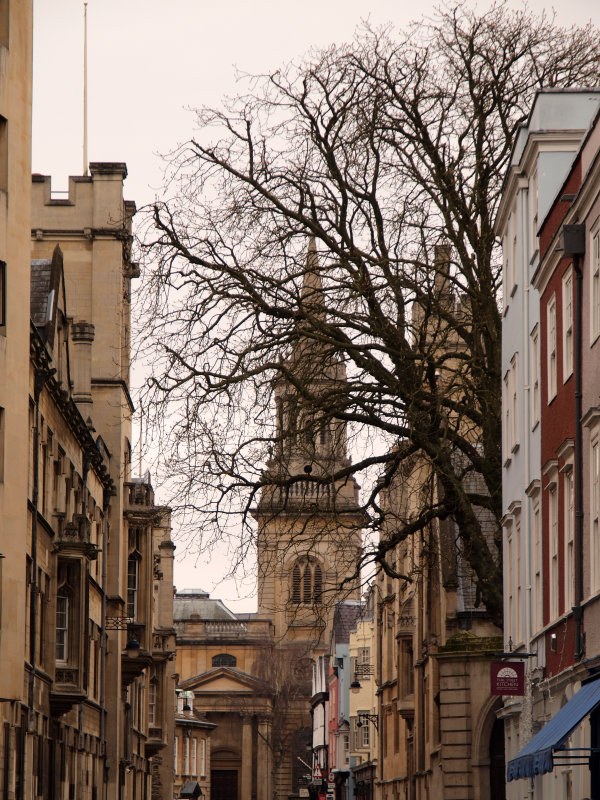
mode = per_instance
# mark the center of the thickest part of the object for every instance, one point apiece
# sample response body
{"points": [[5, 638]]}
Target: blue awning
{"points": [[536, 757]]}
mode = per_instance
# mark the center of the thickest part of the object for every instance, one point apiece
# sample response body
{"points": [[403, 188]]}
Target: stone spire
{"points": [[312, 297]]}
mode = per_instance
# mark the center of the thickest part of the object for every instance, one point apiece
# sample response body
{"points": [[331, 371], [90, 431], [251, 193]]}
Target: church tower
{"points": [[309, 520]]}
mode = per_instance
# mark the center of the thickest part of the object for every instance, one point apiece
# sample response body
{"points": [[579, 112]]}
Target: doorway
{"points": [[497, 765], [224, 784]]}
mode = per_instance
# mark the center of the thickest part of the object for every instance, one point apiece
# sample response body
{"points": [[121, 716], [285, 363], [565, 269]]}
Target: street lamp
{"points": [[364, 719], [132, 648], [191, 791]]}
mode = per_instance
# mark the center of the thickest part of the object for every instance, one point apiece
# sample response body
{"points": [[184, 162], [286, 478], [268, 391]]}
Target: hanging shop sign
{"points": [[508, 677]]}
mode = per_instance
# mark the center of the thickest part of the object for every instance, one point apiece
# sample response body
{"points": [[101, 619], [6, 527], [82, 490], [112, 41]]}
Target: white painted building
{"points": [[543, 153]]}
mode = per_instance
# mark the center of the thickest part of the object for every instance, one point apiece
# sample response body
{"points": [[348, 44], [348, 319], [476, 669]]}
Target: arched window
{"points": [[307, 582], [317, 584], [307, 585], [296, 579], [224, 660]]}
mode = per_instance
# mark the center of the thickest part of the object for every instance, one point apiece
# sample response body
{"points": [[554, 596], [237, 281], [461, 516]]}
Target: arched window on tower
{"points": [[307, 585], [317, 584], [296, 580], [306, 582]]}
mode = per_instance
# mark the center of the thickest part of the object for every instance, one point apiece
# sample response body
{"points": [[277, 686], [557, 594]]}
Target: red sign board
{"points": [[508, 677]]}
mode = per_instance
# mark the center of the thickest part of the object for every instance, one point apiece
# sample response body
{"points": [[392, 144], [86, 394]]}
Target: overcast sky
{"points": [[149, 64]]}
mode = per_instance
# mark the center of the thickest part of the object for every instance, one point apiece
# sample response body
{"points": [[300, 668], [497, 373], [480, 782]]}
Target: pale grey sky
{"points": [[149, 63]]}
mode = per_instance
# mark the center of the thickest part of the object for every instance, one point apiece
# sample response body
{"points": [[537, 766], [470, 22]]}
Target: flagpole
{"points": [[85, 122]]}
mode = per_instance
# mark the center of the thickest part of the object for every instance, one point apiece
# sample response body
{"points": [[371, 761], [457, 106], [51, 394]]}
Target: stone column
{"points": [[82, 334], [247, 758], [264, 778]]}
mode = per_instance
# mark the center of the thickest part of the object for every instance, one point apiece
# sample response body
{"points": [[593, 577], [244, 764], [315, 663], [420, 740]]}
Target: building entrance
{"points": [[224, 784]]}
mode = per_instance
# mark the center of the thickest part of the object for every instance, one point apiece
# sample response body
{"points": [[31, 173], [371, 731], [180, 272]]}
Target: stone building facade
{"points": [[16, 33], [86, 628], [438, 731], [439, 735], [538, 423], [117, 671]]}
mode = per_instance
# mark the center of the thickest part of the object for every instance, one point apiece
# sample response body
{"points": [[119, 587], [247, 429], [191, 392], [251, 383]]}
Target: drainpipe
{"points": [[105, 504], [379, 607], [41, 375], [572, 242]]}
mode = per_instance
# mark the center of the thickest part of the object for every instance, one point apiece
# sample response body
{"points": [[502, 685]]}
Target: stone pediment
{"points": [[223, 680]]}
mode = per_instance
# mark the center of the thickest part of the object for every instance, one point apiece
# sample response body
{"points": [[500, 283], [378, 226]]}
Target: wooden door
{"points": [[224, 784]]}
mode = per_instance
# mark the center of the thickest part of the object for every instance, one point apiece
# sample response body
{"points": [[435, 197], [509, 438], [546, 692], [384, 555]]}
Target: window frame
{"points": [[569, 537], [594, 288], [595, 514], [514, 401], [553, 551], [551, 350], [152, 703], [364, 734], [507, 419], [306, 578], [64, 644], [567, 324], [133, 591], [537, 571], [202, 758], [186, 755], [534, 375], [533, 213]]}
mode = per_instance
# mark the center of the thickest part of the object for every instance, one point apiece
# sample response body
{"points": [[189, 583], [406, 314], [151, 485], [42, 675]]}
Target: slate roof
{"points": [[197, 602], [344, 620], [41, 274]]}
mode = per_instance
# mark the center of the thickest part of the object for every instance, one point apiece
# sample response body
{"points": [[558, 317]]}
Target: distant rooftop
{"points": [[196, 604], [345, 618], [41, 279]]}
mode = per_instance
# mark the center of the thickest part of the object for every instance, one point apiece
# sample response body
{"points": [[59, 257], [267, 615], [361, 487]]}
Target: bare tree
{"points": [[379, 150]]}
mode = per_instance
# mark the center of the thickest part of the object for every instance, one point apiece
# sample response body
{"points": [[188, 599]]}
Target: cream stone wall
{"points": [[15, 167]]}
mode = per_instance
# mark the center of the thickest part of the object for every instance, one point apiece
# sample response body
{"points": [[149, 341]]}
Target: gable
{"points": [[221, 680], [224, 683]]}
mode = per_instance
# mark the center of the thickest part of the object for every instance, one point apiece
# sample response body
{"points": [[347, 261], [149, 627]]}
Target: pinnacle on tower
{"points": [[311, 295]]}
